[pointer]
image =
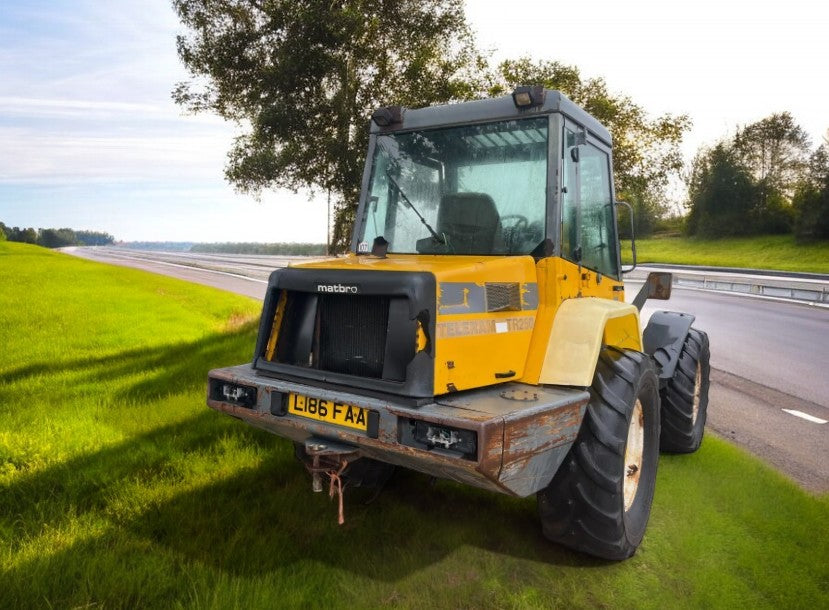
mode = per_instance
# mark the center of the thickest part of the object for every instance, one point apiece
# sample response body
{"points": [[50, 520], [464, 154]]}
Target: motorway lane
{"points": [[784, 346], [249, 281], [766, 356]]}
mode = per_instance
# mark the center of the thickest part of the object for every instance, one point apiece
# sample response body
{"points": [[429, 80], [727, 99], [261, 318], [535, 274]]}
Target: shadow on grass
{"points": [[163, 370], [263, 523], [262, 520], [81, 485], [257, 521]]}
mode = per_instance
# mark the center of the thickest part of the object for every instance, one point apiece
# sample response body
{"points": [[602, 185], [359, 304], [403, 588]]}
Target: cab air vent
{"points": [[503, 296]]}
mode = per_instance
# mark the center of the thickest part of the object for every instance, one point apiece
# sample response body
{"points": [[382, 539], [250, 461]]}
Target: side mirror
{"points": [[657, 286], [632, 237]]}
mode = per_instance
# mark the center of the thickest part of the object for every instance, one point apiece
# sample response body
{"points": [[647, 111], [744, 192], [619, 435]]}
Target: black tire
{"points": [[685, 398], [583, 507], [363, 472]]}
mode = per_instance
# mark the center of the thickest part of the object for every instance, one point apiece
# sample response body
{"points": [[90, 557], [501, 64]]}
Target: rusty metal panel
{"points": [[523, 431], [536, 442], [511, 399]]}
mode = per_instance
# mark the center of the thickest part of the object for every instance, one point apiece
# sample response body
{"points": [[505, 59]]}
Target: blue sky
{"points": [[90, 139]]}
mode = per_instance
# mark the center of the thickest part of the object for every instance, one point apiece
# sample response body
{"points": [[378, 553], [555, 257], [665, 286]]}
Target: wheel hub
{"points": [[634, 448]]}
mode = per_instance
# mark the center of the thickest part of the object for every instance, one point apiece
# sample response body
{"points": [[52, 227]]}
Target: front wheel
{"points": [[600, 499]]}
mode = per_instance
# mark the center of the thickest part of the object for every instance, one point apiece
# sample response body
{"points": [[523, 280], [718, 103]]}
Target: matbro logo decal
{"points": [[338, 288]]}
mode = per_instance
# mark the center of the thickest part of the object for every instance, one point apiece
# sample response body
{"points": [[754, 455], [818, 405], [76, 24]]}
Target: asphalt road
{"points": [[768, 358]]}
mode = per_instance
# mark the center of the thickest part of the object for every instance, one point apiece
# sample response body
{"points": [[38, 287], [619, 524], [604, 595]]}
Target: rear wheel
{"points": [[363, 472], [600, 499], [685, 398]]}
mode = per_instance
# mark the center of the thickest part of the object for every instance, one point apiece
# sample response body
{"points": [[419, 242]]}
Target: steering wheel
{"points": [[520, 222], [515, 226]]}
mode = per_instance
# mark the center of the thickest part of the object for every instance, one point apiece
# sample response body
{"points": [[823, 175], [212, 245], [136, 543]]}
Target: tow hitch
{"points": [[330, 459]]}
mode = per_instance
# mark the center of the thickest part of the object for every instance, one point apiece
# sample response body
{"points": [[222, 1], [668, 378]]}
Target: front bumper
{"points": [[523, 431]]}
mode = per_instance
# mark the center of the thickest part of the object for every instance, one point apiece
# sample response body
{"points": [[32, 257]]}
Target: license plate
{"points": [[329, 411]]}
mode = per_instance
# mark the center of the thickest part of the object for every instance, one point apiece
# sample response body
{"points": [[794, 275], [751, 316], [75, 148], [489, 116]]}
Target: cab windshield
{"points": [[477, 189]]}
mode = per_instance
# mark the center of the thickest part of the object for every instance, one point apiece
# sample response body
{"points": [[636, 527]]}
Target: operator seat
{"points": [[471, 224]]}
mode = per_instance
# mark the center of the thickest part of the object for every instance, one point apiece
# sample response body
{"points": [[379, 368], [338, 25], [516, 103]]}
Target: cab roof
{"points": [[493, 109]]}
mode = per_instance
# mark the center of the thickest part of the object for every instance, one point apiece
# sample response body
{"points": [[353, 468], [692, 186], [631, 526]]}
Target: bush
{"points": [[811, 201], [812, 213]]}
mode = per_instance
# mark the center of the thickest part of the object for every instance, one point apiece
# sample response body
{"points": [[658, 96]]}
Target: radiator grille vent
{"points": [[352, 334], [503, 296], [337, 333]]}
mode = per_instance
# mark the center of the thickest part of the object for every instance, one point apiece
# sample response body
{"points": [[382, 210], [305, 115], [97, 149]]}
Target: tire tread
{"points": [[582, 508], [680, 434]]}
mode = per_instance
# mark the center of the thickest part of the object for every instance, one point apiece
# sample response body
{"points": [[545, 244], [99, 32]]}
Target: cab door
{"points": [[588, 220]]}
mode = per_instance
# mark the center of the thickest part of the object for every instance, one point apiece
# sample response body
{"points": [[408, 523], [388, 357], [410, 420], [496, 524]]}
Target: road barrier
{"points": [[806, 288]]}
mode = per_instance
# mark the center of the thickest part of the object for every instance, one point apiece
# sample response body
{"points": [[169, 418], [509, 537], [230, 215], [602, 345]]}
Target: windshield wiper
{"points": [[438, 238]]}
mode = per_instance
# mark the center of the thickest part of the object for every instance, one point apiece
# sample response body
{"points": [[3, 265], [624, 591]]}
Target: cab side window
{"points": [[598, 241], [587, 226], [569, 198]]}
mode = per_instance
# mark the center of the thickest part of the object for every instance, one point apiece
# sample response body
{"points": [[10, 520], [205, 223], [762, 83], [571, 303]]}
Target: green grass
{"points": [[119, 488], [779, 252]]}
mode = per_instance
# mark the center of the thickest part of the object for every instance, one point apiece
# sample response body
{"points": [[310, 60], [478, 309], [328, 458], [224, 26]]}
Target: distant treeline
{"points": [[285, 249], [55, 238]]}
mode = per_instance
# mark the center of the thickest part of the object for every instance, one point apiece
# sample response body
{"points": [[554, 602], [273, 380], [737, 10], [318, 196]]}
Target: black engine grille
{"points": [[337, 333], [352, 334], [351, 328]]}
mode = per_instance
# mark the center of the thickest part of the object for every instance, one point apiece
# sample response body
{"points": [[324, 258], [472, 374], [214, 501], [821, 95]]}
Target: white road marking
{"points": [[806, 416]]}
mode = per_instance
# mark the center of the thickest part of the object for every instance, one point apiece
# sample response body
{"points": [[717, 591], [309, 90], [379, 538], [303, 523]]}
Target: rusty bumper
{"points": [[522, 432]]}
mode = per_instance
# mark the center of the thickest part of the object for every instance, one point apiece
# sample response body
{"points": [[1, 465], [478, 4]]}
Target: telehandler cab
{"points": [[477, 330]]}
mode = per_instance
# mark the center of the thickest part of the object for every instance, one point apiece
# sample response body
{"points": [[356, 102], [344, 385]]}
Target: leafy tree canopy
{"points": [[26, 236], [776, 151], [721, 190], [764, 162], [646, 151], [55, 238], [302, 78], [93, 238], [811, 200]]}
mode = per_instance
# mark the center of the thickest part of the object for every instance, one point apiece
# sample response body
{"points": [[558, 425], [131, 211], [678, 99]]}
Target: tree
{"points": [[754, 175], [776, 150], [26, 236], [721, 192], [811, 200], [4, 230], [301, 78], [93, 238], [646, 151], [56, 238]]}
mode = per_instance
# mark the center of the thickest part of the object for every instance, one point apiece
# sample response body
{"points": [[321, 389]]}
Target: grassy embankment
{"points": [[765, 252], [118, 487]]}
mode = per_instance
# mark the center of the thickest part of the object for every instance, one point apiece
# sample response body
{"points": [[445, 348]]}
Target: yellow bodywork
{"points": [[580, 328], [551, 334], [277, 324]]}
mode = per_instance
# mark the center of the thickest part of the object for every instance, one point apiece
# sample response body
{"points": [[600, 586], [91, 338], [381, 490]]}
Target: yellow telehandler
{"points": [[477, 330]]}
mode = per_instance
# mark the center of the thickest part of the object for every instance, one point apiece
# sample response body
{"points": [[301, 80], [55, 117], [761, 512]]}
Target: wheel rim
{"points": [[697, 390], [634, 448]]}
